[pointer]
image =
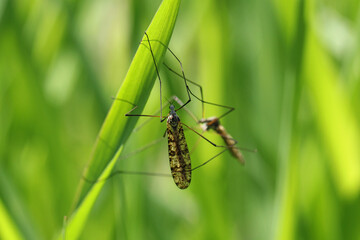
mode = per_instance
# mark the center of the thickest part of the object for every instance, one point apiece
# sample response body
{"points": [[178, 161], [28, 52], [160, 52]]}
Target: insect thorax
{"points": [[173, 119], [209, 123]]}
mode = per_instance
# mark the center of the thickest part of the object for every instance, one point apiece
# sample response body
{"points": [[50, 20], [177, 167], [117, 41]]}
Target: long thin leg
{"points": [[209, 160], [202, 98], [147, 146], [148, 120], [128, 172], [182, 70], [135, 106], [132, 115], [148, 173], [116, 172], [215, 145], [189, 92], [185, 80], [192, 82], [139, 115], [157, 72]]}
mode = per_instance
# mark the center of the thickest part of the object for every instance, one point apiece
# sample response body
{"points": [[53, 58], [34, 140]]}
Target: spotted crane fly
{"points": [[179, 156]]}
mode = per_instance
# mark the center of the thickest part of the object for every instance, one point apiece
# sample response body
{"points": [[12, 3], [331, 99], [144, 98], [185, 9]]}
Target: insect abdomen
{"points": [[179, 156], [230, 142]]}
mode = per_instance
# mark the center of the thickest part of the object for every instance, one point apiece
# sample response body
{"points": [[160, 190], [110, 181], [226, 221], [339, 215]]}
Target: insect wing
{"points": [[179, 156]]}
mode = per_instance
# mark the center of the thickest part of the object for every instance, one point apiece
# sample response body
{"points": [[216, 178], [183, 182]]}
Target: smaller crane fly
{"points": [[214, 123]]}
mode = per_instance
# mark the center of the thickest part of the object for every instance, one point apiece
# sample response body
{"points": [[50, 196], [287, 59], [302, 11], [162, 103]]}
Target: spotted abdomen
{"points": [[179, 156]]}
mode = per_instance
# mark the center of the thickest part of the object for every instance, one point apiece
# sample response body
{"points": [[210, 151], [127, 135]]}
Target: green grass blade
{"points": [[8, 229], [116, 128], [336, 120]]}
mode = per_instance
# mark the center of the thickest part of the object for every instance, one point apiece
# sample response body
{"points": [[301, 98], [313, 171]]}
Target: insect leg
{"points": [[201, 99], [157, 72], [215, 145], [186, 80], [181, 66], [118, 172], [206, 162]]}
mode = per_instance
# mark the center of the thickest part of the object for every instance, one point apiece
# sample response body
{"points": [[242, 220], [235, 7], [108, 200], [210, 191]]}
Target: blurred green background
{"points": [[290, 68]]}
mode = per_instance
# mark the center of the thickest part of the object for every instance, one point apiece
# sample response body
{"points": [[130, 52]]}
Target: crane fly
{"points": [[179, 156], [214, 124]]}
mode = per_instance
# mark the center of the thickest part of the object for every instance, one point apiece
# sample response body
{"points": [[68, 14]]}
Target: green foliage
{"points": [[290, 68]]}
